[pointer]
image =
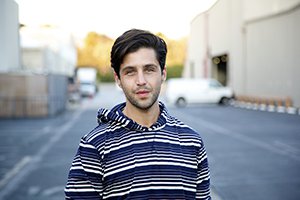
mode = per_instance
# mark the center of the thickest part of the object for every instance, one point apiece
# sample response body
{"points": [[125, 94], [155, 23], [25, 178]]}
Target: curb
{"points": [[266, 107], [267, 103]]}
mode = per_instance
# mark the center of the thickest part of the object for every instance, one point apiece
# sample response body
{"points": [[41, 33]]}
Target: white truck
{"points": [[183, 91], [87, 78]]}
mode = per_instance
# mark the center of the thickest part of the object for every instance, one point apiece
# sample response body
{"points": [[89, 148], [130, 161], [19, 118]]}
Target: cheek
{"points": [[125, 84], [158, 83]]}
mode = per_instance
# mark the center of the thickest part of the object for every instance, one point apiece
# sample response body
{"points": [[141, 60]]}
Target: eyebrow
{"points": [[151, 65], [129, 67]]}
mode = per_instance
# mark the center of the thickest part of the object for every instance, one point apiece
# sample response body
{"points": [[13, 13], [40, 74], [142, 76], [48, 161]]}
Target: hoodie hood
{"points": [[115, 115]]}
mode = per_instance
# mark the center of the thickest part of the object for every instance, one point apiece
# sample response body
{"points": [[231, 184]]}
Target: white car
{"points": [[183, 91], [88, 89]]}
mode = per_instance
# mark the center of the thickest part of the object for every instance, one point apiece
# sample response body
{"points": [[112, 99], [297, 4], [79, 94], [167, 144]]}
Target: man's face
{"points": [[141, 78]]}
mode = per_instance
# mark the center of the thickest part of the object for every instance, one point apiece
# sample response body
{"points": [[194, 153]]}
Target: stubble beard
{"points": [[143, 104]]}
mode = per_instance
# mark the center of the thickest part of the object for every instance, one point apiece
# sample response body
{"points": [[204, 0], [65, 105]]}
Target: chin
{"points": [[145, 105]]}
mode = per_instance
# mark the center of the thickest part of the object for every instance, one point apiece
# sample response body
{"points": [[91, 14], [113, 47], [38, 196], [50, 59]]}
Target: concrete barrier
{"points": [[271, 104]]}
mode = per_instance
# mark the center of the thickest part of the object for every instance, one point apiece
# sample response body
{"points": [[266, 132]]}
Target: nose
{"points": [[140, 79]]}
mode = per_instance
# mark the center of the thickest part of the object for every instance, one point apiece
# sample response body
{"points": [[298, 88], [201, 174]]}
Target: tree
{"points": [[96, 53]]}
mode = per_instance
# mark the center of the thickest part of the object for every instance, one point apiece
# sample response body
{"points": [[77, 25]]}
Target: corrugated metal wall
{"points": [[28, 95]]}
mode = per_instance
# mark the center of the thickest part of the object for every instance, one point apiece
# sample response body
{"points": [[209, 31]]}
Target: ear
{"points": [[164, 74], [117, 80]]}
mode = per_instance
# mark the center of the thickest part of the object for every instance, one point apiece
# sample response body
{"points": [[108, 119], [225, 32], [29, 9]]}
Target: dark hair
{"points": [[131, 41]]}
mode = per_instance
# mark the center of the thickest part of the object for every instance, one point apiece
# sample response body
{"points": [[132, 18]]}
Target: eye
{"points": [[129, 72], [150, 69]]}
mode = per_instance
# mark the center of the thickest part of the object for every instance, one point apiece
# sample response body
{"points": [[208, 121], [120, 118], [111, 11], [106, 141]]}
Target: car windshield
{"points": [[86, 83], [215, 84]]}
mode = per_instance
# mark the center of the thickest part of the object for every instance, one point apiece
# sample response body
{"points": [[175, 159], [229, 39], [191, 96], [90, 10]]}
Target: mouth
{"points": [[142, 93]]}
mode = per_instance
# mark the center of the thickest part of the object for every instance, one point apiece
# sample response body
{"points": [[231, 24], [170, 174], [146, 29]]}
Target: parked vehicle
{"points": [[183, 91], [73, 90], [88, 81], [88, 89]]}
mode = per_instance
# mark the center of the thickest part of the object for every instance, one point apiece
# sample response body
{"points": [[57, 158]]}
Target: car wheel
{"points": [[181, 102], [224, 101]]}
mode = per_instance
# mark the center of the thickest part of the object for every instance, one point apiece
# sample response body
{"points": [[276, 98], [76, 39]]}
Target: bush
{"points": [[105, 77], [174, 71]]}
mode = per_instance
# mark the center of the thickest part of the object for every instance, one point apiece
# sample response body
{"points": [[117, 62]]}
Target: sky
{"points": [[113, 17]]}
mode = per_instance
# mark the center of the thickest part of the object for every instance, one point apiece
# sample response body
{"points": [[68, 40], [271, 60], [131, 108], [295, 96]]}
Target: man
{"points": [[139, 151]]}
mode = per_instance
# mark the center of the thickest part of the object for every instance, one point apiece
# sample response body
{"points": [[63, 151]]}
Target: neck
{"points": [[146, 117]]}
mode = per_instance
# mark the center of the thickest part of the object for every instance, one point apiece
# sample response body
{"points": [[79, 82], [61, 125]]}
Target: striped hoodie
{"points": [[121, 159]]}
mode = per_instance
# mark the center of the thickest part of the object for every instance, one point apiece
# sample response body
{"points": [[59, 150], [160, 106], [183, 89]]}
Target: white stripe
{"points": [[89, 139], [176, 124], [150, 188], [126, 144], [87, 164], [150, 181], [204, 157], [87, 145], [85, 169], [150, 163], [144, 139], [169, 159], [80, 190]]}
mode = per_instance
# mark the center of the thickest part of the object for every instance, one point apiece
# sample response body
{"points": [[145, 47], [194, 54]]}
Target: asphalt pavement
{"points": [[252, 154]]}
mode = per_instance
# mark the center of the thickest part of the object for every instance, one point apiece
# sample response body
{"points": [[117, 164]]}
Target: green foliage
{"points": [[174, 71], [106, 77], [95, 51]]}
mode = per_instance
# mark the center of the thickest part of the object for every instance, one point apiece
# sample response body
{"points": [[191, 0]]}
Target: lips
{"points": [[142, 93]]}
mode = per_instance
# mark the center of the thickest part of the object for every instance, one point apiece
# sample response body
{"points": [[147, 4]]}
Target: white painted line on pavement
{"points": [[53, 190], [214, 195], [220, 130], [15, 170], [33, 190], [22, 171], [46, 130], [286, 147]]}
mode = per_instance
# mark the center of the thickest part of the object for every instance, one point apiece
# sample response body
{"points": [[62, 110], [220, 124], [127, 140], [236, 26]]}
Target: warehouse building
{"points": [[252, 46], [35, 64]]}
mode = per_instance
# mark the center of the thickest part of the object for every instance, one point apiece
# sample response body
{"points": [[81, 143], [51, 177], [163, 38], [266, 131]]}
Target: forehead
{"points": [[141, 57]]}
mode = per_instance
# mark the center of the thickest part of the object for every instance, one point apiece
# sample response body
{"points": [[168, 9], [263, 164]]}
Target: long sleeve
{"points": [[203, 176], [85, 176]]}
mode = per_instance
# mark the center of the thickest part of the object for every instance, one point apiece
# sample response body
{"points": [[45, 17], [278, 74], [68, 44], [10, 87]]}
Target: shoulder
{"points": [[96, 137], [180, 125], [185, 131]]}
